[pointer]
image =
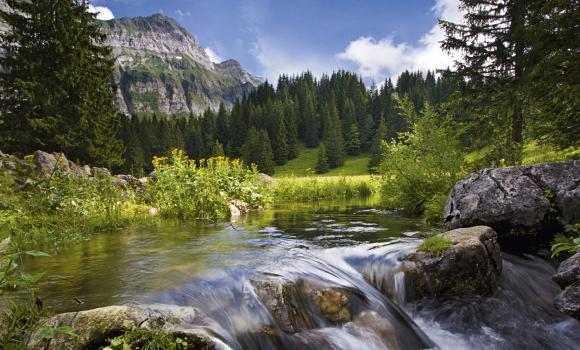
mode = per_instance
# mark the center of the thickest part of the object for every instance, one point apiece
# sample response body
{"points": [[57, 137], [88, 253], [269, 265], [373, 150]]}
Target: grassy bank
{"points": [[329, 187], [306, 162]]}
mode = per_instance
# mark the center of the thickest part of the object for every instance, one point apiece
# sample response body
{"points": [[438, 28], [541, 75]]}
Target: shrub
{"points": [[423, 164], [435, 245], [187, 189], [567, 243]]}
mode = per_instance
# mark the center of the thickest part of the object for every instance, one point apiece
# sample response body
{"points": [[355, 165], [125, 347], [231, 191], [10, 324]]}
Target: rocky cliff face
{"points": [[162, 68]]}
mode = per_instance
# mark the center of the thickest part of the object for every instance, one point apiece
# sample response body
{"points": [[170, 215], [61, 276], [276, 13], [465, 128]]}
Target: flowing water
{"points": [[220, 269]]}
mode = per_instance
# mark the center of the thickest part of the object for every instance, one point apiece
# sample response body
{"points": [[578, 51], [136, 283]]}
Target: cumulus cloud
{"points": [[377, 59], [213, 56], [103, 13]]}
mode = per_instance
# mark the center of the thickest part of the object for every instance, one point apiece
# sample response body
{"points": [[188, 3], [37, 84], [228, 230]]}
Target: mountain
{"points": [[162, 68]]}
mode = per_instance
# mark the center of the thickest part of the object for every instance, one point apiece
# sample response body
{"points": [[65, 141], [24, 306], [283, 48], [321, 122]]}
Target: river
{"points": [[343, 245]]}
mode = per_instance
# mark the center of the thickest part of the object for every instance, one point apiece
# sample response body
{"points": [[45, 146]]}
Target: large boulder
{"points": [[49, 164], [517, 202], [471, 266], [568, 277], [94, 327]]}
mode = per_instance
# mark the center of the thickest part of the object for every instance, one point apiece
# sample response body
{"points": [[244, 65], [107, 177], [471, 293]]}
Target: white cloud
{"points": [[182, 14], [277, 58], [213, 56], [103, 13], [378, 59]]}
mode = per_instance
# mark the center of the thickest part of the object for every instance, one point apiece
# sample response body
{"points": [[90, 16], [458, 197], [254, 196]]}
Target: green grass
{"points": [[306, 189], [305, 163], [435, 245], [533, 153]]}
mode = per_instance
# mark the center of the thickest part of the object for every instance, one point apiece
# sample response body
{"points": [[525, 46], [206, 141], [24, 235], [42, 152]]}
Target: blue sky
{"points": [[376, 38]]}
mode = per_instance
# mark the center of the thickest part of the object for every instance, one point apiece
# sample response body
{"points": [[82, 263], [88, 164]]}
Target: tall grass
{"points": [[320, 188]]}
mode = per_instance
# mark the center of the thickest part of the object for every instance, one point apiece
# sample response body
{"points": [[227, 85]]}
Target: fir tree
{"points": [[257, 150], [322, 163], [217, 150], [57, 93], [333, 139], [279, 137], [352, 143], [376, 146]]}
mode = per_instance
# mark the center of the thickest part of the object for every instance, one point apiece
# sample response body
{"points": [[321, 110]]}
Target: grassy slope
{"points": [[534, 153], [305, 163]]}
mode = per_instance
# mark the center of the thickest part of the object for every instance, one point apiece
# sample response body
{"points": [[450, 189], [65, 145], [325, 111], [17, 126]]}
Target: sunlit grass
{"points": [[328, 187]]}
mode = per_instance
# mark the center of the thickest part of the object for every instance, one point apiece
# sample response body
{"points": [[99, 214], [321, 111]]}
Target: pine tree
{"points": [[311, 124], [493, 67], [266, 160], [322, 164], [279, 137], [352, 143], [376, 146], [333, 139], [257, 150], [217, 150], [57, 93], [291, 129]]}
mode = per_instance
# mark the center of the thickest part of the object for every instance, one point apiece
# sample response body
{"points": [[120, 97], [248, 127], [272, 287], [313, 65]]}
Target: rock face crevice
{"points": [[525, 202]]}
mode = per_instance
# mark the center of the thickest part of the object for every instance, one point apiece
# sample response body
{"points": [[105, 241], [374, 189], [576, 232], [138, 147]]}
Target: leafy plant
{"points": [[423, 163], [435, 245], [144, 339], [568, 243], [187, 189]]}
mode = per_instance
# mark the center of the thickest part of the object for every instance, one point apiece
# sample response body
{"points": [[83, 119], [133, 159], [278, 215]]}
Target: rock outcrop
{"points": [[470, 267], [568, 278], [524, 202], [50, 164], [94, 327]]}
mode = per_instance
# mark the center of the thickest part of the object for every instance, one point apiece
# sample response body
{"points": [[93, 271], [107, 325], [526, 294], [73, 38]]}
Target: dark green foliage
{"points": [[57, 90], [280, 136], [333, 138], [217, 149], [377, 146], [257, 150], [353, 141], [322, 163]]}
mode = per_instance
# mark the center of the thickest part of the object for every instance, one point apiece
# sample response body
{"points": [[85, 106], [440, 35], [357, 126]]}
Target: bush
{"points": [[435, 245], [567, 243], [423, 164], [187, 189]]}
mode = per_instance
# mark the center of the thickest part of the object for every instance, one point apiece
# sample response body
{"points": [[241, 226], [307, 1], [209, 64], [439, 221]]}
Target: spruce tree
{"points": [[333, 139], [376, 146], [57, 93], [322, 163], [217, 150], [279, 137], [352, 143], [257, 150], [493, 68]]}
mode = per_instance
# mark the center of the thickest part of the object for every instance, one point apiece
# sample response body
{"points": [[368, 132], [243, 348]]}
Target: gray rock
{"points": [[470, 267], [266, 178], [10, 165], [47, 164], [568, 272], [94, 327], [517, 202], [381, 326], [568, 302], [132, 182], [102, 172], [238, 207]]}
